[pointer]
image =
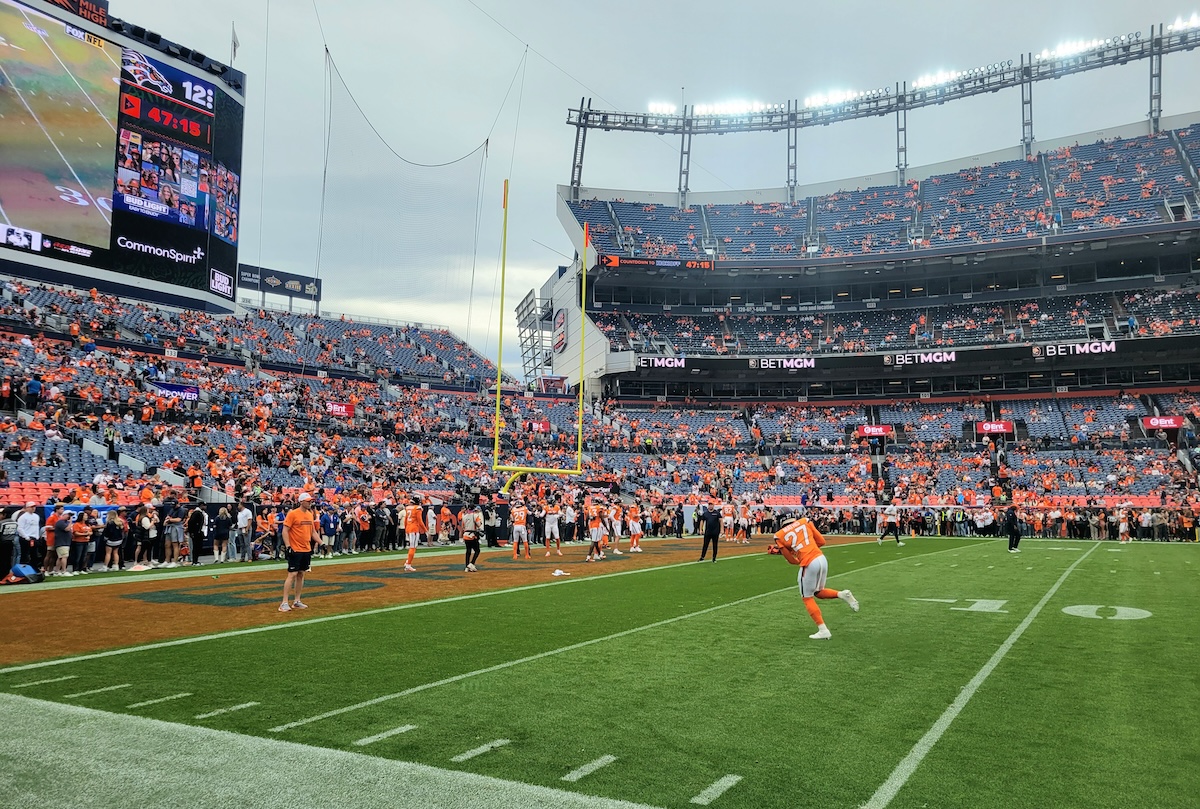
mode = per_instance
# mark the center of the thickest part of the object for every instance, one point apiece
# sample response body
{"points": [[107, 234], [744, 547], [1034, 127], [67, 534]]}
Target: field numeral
{"points": [[71, 195]]}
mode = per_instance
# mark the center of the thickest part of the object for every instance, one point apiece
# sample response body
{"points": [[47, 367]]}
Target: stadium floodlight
{"points": [[836, 98], [731, 108], [659, 108], [1181, 24]]}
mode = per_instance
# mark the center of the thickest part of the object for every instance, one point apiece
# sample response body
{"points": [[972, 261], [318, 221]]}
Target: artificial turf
{"points": [[1080, 712]]}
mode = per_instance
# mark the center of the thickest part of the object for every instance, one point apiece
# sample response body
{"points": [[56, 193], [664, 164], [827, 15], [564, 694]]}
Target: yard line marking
{"points": [[715, 789], [70, 168], [387, 734], [98, 690], [38, 730], [479, 751], [908, 765], [160, 699], [589, 768], [54, 53], [230, 709], [527, 659], [44, 682], [234, 633], [562, 650]]}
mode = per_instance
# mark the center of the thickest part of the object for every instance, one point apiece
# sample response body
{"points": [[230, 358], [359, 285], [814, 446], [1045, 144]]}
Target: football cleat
{"points": [[848, 597]]}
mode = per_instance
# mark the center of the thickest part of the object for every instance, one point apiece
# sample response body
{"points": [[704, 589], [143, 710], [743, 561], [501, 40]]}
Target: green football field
{"points": [[1064, 676]]}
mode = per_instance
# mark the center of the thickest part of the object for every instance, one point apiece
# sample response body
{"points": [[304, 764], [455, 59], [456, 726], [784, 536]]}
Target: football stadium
{"points": [[810, 464]]}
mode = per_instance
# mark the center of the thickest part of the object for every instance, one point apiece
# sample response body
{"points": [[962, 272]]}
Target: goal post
{"points": [[518, 470]]}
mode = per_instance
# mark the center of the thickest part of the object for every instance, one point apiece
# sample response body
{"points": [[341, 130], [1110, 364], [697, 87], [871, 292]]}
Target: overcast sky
{"points": [[431, 76]]}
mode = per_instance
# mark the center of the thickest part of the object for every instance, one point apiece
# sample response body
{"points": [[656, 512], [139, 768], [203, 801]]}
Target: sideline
{"points": [[908, 765], [233, 633]]}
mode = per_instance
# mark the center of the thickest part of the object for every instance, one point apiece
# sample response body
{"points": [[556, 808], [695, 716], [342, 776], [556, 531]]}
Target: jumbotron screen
{"points": [[113, 158]]}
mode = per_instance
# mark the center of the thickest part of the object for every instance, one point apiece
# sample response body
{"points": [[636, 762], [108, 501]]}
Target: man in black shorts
{"points": [[301, 530]]}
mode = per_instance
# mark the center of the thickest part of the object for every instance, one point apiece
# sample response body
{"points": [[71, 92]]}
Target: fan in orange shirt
{"points": [[414, 526], [800, 543], [518, 515]]}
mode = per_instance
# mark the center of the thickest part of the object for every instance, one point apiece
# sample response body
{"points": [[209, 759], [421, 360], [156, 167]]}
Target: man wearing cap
{"points": [[29, 533], [300, 531]]}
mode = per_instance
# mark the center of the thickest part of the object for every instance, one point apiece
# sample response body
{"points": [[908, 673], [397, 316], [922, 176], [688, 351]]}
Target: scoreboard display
{"points": [[115, 156]]}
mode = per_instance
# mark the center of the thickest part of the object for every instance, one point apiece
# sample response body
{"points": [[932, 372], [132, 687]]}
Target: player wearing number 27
{"points": [[800, 543]]}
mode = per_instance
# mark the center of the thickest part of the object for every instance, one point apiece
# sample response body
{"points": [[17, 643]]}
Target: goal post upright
{"points": [[518, 471]]}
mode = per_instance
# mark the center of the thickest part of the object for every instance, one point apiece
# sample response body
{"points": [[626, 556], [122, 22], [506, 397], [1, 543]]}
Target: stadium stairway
{"points": [[1044, 173], [1189, 167]]}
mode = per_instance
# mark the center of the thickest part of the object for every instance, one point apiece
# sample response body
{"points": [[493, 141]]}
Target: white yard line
{"points": [[44, 682], [160, 699], [233, 633], [589, 768], [98, 690], [46, 42], [230, 709], [519, 661], [36, 730], [479, 751], [70, 168], [716, 790], [387, 734], [564, 649], [908, 765]]}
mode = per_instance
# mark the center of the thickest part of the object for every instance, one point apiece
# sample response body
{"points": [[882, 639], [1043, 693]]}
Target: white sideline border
{"points": [[298, 775], [211, 569], [908, 765], [558, 582]]}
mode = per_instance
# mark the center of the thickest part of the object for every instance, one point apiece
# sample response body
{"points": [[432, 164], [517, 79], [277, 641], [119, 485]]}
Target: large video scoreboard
{"points": [[115, 156]]}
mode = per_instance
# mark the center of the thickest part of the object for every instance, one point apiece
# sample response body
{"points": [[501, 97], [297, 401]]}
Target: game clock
{"points": [[192, 127]]}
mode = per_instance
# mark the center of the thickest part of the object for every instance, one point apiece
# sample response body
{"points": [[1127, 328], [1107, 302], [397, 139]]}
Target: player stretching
{"points": [[519, 515], [800, 543], [891, 524], [414, 526], [552, 513]]}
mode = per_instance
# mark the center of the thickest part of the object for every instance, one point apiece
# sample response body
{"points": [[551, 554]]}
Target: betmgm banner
{"points": [[260, 279]]}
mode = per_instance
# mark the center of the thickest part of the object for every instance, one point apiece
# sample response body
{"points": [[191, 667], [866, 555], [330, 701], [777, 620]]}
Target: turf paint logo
{"points": [[169, 253], [920, 358], [781, 363], [1071, 349], [220, 283]]}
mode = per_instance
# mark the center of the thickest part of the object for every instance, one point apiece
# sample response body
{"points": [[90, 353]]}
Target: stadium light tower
{"points": [[836, 106]]}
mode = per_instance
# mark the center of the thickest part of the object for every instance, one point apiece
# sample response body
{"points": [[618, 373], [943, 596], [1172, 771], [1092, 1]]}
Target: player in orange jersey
{"points": [[743, 523], [596, 529], [728, 512], [615, 512], [414, 526], [800, 543], [634, 517], [518, 515], [553, 512]]}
